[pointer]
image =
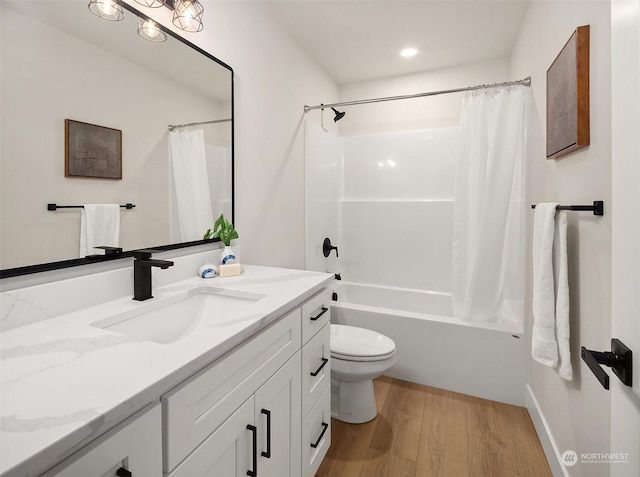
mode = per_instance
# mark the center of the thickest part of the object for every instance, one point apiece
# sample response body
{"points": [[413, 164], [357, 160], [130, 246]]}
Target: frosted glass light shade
{"points": [[107, 9], [187, 15], [149, 30]]}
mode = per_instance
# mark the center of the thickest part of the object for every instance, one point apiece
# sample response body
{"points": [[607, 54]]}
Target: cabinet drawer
{"points": [[315, 314], [316, 435], [134, 445], [316, 360], [192, 411]]}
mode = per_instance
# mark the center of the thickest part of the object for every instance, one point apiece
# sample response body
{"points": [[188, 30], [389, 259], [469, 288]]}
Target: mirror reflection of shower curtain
{"points": [[488, 239], [191, 184]]}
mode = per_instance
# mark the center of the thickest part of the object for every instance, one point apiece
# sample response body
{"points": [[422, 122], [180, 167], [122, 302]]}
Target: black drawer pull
{"points": [[325, 426], [122, 472], [317, 371], [316, 318], [268, 453], [254, 431]]}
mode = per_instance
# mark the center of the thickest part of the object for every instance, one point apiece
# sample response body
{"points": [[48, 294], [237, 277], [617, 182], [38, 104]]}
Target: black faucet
{"points": [[142, 273]]}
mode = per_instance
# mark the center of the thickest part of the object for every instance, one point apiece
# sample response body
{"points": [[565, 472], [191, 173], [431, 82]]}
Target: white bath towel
{"points": [[99, 225], [550, 335]]}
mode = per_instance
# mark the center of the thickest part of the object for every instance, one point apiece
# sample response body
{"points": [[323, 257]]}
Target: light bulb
{"points": [[188, 13], [151, 29], [107, 7]]}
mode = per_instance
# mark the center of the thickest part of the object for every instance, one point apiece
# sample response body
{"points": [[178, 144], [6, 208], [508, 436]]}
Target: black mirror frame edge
{"points": [[45, 267]]}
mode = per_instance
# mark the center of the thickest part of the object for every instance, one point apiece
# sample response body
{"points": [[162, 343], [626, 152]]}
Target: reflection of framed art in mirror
{"points": [[92, 151]]}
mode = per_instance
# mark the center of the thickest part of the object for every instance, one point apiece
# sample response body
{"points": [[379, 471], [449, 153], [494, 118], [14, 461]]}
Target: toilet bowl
{"points": [[358, 355]]}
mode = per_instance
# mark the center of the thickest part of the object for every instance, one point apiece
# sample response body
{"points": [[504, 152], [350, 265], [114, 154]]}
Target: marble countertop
{"points": [[63, 381]]}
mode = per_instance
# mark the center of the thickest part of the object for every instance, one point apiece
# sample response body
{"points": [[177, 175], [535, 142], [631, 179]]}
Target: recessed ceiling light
{"points": [[409, 52]]}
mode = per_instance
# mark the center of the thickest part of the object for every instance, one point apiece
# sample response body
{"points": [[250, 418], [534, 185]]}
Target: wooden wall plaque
{"points": [[568, 97]]}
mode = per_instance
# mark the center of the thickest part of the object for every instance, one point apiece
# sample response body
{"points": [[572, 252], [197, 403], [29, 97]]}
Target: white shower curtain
{"points": [[488, 237], [191, 183]]}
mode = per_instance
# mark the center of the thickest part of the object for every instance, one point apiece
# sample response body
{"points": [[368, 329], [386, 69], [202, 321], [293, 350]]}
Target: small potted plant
{"points": [[224, 230]]}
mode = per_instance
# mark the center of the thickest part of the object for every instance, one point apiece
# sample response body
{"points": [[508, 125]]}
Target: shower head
{"points": [[339, 115]]}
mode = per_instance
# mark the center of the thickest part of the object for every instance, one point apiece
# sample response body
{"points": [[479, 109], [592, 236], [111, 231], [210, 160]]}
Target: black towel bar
{"points": [[597, 208], [56, 206]]}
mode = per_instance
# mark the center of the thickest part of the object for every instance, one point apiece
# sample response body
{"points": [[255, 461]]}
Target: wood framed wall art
{"points": [[92, 151], [568, 97]]}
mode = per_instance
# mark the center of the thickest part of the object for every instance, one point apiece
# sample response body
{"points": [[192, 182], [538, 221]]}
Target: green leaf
{"points": [[224, 230], [218, 224]]}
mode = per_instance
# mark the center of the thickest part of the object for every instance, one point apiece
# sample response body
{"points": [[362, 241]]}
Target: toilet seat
{"points": [[351, 343]]}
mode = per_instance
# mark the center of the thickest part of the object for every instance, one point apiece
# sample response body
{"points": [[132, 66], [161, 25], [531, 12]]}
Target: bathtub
{"points": [[432, 347]]}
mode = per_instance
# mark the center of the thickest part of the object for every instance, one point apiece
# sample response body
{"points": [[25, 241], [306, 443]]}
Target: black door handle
{"points": [[267, 454], [122, 472], [254, 431], [619, 359]]}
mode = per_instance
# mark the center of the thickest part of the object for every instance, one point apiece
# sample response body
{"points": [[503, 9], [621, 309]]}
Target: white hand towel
{"points": [[99, 225], [550, 335]]}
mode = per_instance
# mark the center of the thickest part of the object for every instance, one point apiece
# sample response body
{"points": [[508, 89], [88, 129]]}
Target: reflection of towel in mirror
{"points": [[550, 336], [99, 225]]}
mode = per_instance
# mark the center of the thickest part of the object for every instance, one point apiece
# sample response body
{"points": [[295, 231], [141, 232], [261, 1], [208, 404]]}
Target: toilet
{"points": [[358, 355]]}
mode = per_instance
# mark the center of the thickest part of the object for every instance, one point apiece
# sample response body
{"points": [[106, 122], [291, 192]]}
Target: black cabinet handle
{"points": [[254, 431], [325, 426], [317, 317], [268, 453], [317, 371], [122, 472]]}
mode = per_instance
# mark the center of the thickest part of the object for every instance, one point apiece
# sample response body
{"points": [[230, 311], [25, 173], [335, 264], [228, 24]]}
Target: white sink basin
{"points": [[171, 319]]}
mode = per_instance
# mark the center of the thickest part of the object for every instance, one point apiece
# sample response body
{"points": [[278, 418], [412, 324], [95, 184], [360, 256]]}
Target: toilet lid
{"points": [[360, 344]]}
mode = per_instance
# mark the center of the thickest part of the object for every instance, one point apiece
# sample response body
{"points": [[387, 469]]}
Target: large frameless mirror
{"points": [[59, 62]]}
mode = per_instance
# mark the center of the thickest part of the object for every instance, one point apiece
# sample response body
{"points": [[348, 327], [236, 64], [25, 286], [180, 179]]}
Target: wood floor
{"points": [[424, 431]]}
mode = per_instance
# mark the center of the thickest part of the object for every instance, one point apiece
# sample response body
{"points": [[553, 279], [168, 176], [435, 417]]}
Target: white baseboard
{"points": [[544, 434]]}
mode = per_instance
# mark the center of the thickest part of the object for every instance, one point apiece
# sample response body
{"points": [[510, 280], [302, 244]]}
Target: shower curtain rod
{"points": [[524, 82], [175, 126]]}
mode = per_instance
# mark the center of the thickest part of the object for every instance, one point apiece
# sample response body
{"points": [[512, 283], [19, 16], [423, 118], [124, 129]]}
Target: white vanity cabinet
{"points": [[263, 409], [316, 382], [131, 449], [259, 381]]}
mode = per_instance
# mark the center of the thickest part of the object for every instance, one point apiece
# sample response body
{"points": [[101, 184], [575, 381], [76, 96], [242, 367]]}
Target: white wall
{"points": [[419, 113], [576, 412]]}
